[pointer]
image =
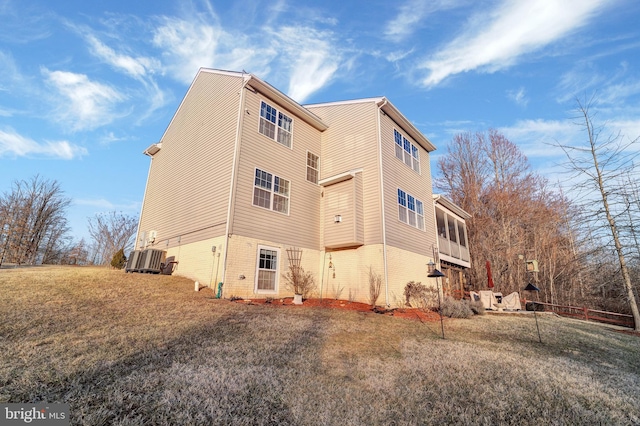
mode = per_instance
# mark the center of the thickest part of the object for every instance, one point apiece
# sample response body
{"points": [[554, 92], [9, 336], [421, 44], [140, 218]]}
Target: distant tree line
{"points": [[34, 229], [586, 242]]}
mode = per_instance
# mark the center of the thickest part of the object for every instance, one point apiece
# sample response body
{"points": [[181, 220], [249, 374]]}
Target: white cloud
{"points": [[498, 39], [410, 16], [135, 67], [14, 144], [310, 57], [85, 104], [190, 44], [106, 205], [519, 96]]}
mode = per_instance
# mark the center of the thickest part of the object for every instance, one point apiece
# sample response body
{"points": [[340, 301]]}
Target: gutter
{"points": [[236, 153], [150, 152], [384, 224]]}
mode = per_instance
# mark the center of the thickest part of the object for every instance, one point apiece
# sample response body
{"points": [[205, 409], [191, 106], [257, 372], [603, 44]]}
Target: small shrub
{"points": [[375, 285], [268, 300], [352, 295], [419, 295], [476, 307], [337, 292], [453, 308], [300, 281], [119, 259], [234, 298]]}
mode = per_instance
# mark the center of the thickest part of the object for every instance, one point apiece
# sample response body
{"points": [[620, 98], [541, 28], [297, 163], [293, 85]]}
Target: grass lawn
{"points": [[134, 349]]}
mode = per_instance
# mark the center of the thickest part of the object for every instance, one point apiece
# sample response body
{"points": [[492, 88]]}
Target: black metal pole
{"points": [[440, 308], [536, 317]]}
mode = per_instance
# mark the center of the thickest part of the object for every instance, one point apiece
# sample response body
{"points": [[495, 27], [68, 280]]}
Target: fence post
{"points": [[586, 313]]}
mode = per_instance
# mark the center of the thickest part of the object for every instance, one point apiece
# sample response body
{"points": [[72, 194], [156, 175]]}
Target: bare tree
{"points": [[598, 166], [513, 212], [111, 232], [32, 221]]}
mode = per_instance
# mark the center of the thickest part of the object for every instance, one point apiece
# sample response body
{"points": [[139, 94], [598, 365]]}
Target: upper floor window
{"points": [[410, 210], [313, 167], [271, 192], [275, 124], [406, 151]]}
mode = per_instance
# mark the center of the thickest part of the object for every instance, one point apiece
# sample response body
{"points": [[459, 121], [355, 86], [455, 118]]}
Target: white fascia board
{"points": [[339, 178], [288, 103], [405, 124], [451, 206]]}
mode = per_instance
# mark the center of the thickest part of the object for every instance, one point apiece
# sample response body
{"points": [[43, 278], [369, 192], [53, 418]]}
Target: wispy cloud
{"points": [[85, 104], [136, 67], [9, 70], [189, 44], [310, 57], [16, 145], [519, 97], [106, 205], [306, 58], [410, 16], [499, 38]]}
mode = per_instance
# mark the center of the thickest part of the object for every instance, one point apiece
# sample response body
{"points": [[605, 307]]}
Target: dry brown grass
{"points": [[145, 349]]}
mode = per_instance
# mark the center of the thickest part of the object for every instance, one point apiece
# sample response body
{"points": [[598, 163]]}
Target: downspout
{"points": [[144, 196], [384, 224], [236, 154]]}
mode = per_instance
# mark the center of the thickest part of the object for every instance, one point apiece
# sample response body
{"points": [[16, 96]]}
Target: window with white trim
{"points": [[267, 270], [275, 124], [271, 192], [410, 210], [406, 151], [313, 167]]}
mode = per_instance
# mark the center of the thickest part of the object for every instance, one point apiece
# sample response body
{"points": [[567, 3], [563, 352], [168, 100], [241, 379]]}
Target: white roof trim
{"points": [[451, 206], [339, 178], [153, 149]]}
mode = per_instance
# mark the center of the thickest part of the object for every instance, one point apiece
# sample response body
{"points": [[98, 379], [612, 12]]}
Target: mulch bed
{"points": [[407, 313]]}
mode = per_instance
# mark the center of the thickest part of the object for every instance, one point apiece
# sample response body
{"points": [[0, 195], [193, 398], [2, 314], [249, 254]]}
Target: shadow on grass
{"points": [[218, 373]]}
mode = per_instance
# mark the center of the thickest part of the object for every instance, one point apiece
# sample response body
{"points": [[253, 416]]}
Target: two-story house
{"points": [[243, 173]]}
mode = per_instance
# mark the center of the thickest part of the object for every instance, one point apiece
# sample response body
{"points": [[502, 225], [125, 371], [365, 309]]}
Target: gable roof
{"points": [[390, 110]]}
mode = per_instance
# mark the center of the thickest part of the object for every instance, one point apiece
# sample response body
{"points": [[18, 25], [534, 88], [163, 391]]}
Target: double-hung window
{"points": [[275, 124], [271, 192], [267, 269], [313, 167], [410, 210], [407, 151]]}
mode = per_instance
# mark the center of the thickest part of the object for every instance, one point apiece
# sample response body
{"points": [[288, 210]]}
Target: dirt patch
{"points": [[407, 313]]}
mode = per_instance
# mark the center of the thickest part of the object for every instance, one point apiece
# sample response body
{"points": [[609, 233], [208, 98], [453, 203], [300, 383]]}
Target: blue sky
{"points": [[86, 86]]}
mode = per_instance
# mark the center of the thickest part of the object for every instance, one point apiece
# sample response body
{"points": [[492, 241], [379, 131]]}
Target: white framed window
{"points": [[275, 124], [410, 210], [313, 167], [271, 192], [406, 151], [267, 269]]}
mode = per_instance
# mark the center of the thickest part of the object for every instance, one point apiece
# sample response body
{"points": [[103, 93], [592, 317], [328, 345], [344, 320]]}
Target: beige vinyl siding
{"points": [[345, 200], [351, 142], [301, 226], [187, 191], [398, 175]]}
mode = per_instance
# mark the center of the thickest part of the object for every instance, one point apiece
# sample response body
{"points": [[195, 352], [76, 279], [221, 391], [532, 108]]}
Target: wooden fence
{"points": [[587, 314]]}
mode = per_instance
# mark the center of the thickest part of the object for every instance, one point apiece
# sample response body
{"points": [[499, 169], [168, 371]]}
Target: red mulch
{"points": [[408, 313]]}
